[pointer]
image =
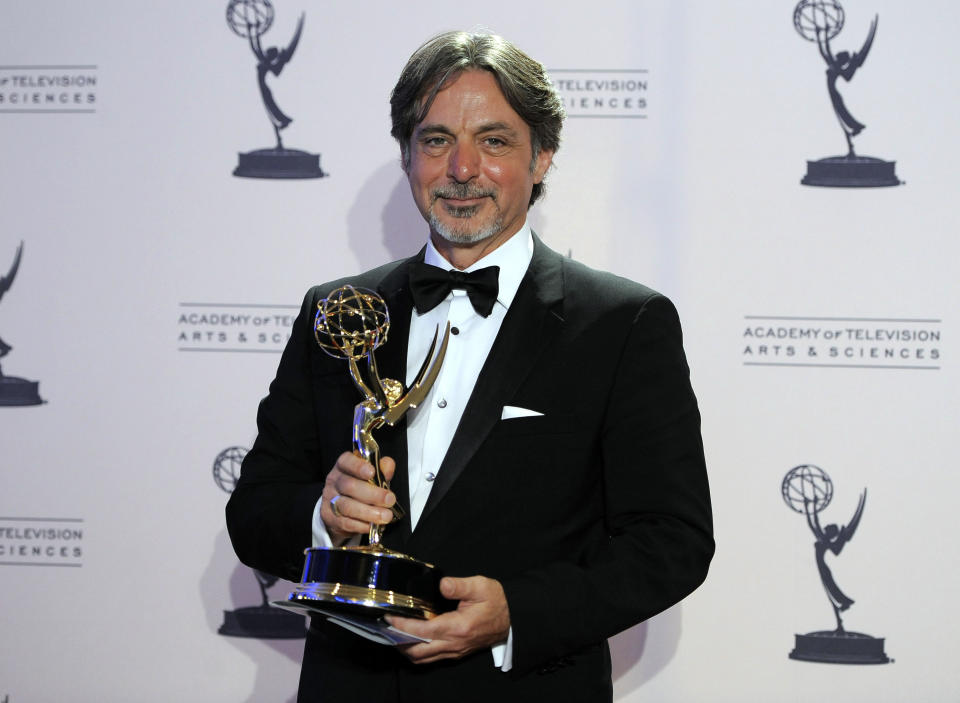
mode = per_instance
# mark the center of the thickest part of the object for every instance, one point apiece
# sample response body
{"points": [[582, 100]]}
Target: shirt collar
{"points": [[513, 257]]}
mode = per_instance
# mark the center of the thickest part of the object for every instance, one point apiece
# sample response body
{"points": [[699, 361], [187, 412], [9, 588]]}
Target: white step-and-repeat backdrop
{"points": [[147, 292]]}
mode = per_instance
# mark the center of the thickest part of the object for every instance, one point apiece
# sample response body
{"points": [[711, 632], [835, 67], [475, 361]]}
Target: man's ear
{"points": [[541, 165]]}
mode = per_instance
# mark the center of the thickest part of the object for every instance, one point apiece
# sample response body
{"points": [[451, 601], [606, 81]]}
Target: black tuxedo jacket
{"points": [[594, 515]]}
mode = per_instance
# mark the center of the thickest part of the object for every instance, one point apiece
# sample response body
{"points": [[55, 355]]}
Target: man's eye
{"points": [[434, 141], [494, 142]]}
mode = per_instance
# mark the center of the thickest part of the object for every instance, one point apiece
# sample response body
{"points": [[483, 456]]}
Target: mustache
{"points": [[462, 191]]}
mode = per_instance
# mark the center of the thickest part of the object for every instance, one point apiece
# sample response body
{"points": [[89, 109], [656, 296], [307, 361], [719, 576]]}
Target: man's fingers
{"points": [[358, 467], [347, 510], [411, 626], [436, 628], [350, 477], [351, 503], [449, 636], [350, 464], [465, 589], [452, 588], [361, 491], [387, 467]]}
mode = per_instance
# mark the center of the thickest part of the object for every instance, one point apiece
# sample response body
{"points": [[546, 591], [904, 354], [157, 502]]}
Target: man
{"points": [[555, 471]]}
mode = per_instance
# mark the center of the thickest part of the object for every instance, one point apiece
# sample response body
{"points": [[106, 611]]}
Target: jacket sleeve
{"points": [[270, 511], [657, 514]]}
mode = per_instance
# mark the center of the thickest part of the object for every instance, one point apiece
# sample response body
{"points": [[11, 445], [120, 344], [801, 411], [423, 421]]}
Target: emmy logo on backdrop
{"points": [[807, 489], [260, 621], [820, 21], [13, 390], [250, 19]]}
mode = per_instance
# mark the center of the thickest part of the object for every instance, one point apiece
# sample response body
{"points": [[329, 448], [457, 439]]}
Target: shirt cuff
{"points": [[503, 653], [321, 537]]}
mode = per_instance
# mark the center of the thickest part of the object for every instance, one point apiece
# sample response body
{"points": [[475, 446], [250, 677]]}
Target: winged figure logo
{"points": [[13, 390], [5, 284]]}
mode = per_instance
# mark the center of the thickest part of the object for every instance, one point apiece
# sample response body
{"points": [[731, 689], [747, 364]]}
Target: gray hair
{"points": [[522, 80]]}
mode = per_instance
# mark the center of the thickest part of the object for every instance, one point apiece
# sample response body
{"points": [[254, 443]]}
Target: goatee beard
{"points": [[462, 233]]}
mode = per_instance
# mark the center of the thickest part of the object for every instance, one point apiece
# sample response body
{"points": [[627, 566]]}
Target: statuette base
{"points": [[369, 582], [839, 647], [278, 163], [19, 391], [851, 172]]}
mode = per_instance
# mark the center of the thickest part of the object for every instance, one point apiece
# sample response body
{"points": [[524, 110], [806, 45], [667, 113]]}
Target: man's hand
{"points": [[358, 503], [481, 620]]}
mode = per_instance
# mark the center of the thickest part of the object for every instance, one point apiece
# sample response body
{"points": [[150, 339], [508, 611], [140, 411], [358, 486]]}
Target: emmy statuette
{"points": [[369, 580], [819, 21], [250, 19], [807, 489]]}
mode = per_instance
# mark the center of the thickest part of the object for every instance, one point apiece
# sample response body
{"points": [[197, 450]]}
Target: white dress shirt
{"points": [[471, 337], [437, 417]]}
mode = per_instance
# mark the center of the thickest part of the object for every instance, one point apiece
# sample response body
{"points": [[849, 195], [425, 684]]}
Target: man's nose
{"points": [[464, 163]]}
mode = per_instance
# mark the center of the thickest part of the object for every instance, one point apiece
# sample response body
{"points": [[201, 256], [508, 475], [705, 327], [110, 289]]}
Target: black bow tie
{"points": [[430, 285]]}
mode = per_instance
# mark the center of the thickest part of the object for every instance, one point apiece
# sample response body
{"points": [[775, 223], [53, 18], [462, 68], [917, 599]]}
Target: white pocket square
{"points": [[510, 412]]}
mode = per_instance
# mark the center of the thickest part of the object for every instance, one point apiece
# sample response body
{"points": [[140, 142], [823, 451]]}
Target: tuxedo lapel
{"points": [[530, 326]]}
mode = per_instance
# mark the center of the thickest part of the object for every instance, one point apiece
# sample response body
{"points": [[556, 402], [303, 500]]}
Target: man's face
{"points": [[470, 163]]}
